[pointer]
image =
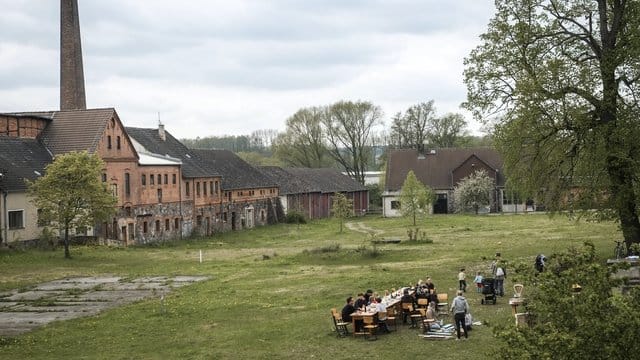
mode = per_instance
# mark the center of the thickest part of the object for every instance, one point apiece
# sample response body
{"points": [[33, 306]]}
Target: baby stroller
{"points": [[489, 291]]}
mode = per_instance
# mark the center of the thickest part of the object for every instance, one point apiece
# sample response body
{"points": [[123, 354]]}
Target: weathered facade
{"points": [[249, 198], [310, 191]]}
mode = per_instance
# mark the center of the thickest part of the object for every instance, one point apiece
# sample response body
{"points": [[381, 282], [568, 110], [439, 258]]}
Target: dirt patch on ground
{"points": [[363, 228], [26, 309]]}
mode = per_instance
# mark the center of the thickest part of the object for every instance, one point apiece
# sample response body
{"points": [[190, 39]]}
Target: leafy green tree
{"points": [[341, 207], [303, 142], [561, 81], [597, 322], [71, 194], [446, 131], [348, 127], [473, 191], [415, 197]]}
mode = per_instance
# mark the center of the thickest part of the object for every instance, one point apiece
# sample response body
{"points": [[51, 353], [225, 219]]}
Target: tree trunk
{"points": [[67, 255], [624, 199]]}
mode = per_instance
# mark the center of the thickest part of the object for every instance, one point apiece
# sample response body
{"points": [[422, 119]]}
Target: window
{"points": [[199, 220], [127, 184], [176, 223], [166, 179], [395, 204], [152, 179], [104, 177], [159, 195], [144, 180], [108, 141], [127, 211], [173, 179], [166, 224], [118, 142], [145, 228], [114, 189], [159, 179], [158, 225], [216, 187], [186, 188], [198, 188], [204, 188], [211, 188]]}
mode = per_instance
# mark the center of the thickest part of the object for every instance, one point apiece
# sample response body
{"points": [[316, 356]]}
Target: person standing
{"points": [[500, 274], [459, 309], [462, 280], [478, 281]]}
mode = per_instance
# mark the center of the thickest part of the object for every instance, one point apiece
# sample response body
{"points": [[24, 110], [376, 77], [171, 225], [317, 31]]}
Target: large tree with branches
{"points": [[560, 79]]}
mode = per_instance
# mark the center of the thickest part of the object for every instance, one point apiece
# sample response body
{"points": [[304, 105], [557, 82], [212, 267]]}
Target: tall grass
{"points": [[257, 307]]}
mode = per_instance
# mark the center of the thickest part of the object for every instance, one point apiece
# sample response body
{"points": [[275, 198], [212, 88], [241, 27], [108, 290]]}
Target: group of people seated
{"points": [[373, 302], [367, 300]]}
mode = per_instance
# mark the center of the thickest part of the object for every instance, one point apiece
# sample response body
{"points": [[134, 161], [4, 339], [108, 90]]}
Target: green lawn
{"points": [[272, 288]]}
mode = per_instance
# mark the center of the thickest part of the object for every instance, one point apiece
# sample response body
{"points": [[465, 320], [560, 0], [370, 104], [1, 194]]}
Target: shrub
{"points": [[295, 217]]}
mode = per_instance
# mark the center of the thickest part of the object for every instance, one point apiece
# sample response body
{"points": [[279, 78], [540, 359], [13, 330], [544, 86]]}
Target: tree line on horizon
{"points": [[349, 136]]}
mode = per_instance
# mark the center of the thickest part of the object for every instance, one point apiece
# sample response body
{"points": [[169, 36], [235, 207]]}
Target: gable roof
{"points": [[20, 159], [327, 180], [192, 165], [236, 173], [435, 167], [75, 130], [305, 180], [288, 183]]}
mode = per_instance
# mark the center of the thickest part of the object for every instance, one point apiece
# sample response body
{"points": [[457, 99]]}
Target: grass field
{"points": [[272, 288]]}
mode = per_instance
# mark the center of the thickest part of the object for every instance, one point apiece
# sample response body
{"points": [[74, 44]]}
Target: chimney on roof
{"points": [[161, 133], [72, 95]]}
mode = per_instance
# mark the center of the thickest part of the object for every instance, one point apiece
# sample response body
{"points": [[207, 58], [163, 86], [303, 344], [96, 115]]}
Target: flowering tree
{"points": [[473, 191]]}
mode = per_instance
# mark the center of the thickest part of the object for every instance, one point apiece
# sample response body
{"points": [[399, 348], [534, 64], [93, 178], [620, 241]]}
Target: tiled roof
{"points": [[236, 173], [75, 130], [192, 166], [327, 180], [306, 180], [288, 183], [21, 159], [435, 167]]}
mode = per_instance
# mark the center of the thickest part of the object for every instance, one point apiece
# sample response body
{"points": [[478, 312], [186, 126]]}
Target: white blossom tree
{"points": [[473, 191]]}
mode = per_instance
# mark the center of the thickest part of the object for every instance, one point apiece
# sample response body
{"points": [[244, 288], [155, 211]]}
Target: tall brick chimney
{"points": [[72, 95]]}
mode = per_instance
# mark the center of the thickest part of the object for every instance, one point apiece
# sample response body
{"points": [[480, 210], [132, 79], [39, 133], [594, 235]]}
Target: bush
{"points": [[295, 217]]}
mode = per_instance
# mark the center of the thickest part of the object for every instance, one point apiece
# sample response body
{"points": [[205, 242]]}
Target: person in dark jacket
{"points": [[349, 309]]}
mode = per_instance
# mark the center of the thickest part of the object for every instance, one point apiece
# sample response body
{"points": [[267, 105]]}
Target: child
{"points": [[478, 281], [462, 281]]}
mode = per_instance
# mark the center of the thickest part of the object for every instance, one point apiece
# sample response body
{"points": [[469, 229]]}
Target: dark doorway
{"points": [[440, 206], [233, 220]]}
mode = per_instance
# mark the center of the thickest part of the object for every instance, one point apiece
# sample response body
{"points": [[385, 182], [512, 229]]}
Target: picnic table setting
{"points": [[368, 321]]}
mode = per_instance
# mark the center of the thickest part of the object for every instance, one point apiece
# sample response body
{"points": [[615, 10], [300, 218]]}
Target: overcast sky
{"points": [[232, 67]]}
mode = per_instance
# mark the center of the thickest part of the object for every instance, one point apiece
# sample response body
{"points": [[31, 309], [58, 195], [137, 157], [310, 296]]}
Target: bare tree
{"points": [[349, 127]]}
